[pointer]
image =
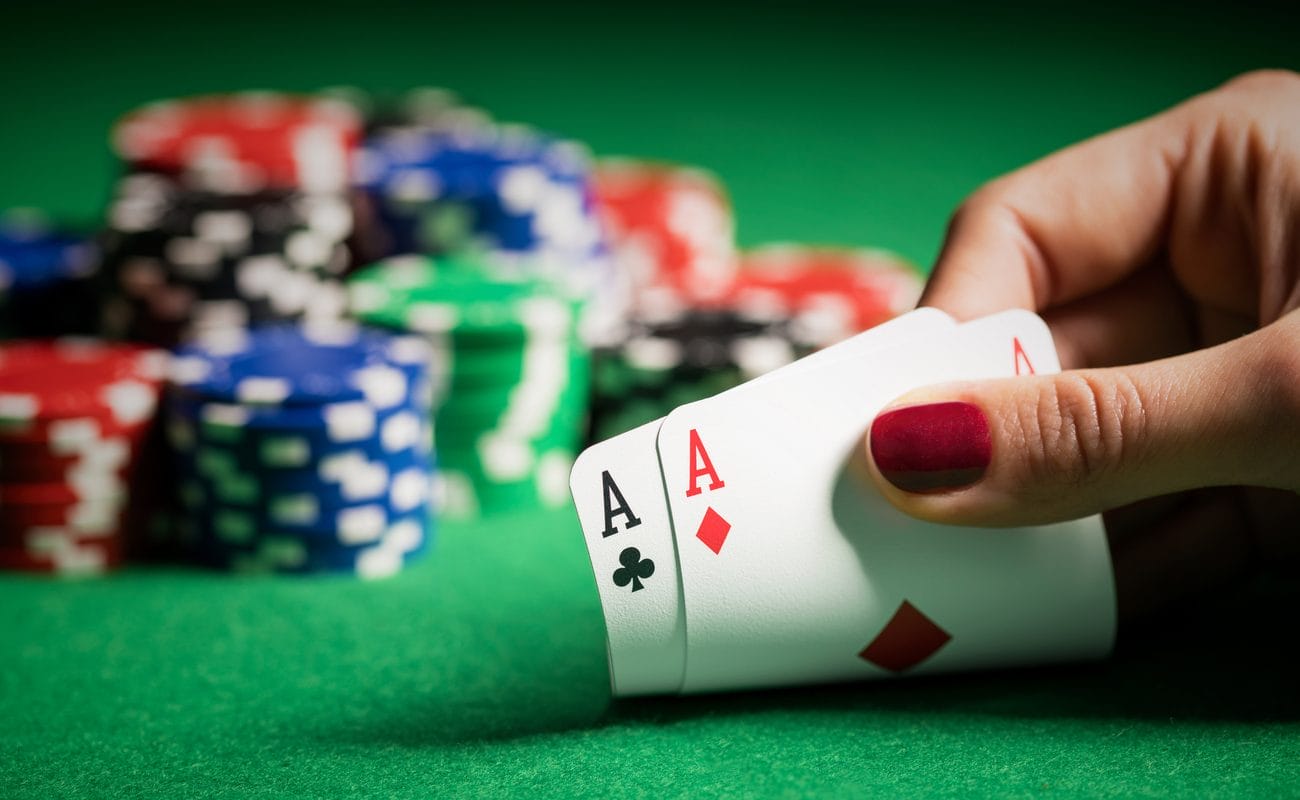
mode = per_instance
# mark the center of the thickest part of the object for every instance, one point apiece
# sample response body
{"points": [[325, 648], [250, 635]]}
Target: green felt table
{"points": [[481, 671]]}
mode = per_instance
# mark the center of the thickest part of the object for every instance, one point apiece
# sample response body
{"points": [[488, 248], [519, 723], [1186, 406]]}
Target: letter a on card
{"points": [[701, 466], [611, 493]]}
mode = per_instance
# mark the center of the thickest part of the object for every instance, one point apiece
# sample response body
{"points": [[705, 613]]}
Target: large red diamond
{"points": [[713, 530], [909, 638]]}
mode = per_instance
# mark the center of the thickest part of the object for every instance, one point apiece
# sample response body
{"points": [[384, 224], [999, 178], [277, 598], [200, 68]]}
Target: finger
{"points": [[1143, 318], [1081, 219], [1061, 228], [1054, 447]]}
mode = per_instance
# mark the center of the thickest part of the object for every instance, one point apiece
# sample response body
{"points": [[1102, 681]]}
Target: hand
{"points": [[1165, 257]]}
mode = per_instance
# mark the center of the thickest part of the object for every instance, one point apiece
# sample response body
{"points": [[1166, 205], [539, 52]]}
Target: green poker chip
{"points": [[513, 404]]}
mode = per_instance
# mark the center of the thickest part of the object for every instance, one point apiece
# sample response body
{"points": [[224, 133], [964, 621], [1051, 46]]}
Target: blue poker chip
{"points": [[271, 451], [308, 364], [293, 436], [348, 478], [511, 188], [402, 542], [33, 254]]}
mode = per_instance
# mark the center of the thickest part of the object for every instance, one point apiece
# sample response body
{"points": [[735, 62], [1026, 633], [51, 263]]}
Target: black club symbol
{"points": [[634, 569]]}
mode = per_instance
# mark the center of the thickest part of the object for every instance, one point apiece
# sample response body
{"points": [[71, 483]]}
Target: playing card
{"points": [[795, 570], [619, 495], [620, 501]]}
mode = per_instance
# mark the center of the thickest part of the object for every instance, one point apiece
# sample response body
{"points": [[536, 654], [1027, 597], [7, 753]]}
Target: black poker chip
{"points": [[177, 260]]}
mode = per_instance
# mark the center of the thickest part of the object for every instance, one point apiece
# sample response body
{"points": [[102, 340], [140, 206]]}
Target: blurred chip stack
{"points": [[303, 448], [451, 181], [513, 403], [46, 278], [670, 227], [673, 353], [828, 293], [76, 463], [233, 210]]}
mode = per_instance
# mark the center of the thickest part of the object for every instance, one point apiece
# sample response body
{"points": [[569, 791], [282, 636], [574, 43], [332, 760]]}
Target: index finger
{"points": [[1074, 223]]}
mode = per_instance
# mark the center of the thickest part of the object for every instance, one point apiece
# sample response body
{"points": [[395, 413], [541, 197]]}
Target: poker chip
{"points": [[310, 364], [669, 226], [234, 210], [78, 459], [828, 293], [451, 181], [672, 353], [178, 261], [47, 273], [301, 447], [243, 143], [513, 402]]}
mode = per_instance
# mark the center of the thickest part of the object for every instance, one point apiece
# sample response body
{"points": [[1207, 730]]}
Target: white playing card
{"points": [[795, 570], [620, 501], [644, 619]]}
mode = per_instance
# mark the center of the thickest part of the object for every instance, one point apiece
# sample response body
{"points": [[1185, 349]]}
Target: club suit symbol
{"points": [[634, 569]]}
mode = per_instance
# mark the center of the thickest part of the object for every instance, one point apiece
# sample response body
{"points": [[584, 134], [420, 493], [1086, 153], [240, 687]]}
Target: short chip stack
{"points": [[76, 419], [303, 448], [46, 278], [671, 353], [828, 293], [669, 226], [234, 210], [513, 406]]}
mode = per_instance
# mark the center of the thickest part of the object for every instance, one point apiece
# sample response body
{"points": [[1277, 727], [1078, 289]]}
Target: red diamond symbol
{"points": [[909, 638], [713, 530]]}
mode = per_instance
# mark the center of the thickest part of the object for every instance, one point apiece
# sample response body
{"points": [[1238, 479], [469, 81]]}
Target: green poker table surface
{"points": [[481, 672]]}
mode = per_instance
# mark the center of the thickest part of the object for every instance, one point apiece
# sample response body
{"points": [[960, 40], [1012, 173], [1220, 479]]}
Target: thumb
{"points": [[1040, 449]]}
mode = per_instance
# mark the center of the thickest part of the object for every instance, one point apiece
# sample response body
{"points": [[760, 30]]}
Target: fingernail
{"points": [[932, 447]]}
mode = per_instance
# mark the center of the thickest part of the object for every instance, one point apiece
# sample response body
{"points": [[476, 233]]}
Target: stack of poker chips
{"points": [[233, 210], [76, 466], [669, 227], [451, 182], [671, 353], [513, 407], [303, 448], [46, 278]]}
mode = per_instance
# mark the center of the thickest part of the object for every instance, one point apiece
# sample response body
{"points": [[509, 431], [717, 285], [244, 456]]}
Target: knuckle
{"points": [[1266, 80], [1080, 426]]}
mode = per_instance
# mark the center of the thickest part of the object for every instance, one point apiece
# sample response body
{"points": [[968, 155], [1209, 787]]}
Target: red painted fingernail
{"points": [[932, 447]]}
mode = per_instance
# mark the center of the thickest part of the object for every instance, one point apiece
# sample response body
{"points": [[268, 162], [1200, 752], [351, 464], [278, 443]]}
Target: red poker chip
{"points": [[86, 515], [834, 292], [61, 469], [65, 556], [669, 226], [93, 488], [245, 142], [42, 537], [46, 382]]}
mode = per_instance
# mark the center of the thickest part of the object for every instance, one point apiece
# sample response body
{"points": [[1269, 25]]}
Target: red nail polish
{"points": [[932, 447]]}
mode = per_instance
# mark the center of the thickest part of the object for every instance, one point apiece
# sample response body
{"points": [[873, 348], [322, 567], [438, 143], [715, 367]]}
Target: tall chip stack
{"points": [[77, 455], [513, 404], [303, 448], [671, 231], [493, 251], [47, 278], [232, 210]]}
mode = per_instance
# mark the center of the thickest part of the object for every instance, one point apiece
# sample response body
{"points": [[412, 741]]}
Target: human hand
{"points": [[1165, 257]]}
